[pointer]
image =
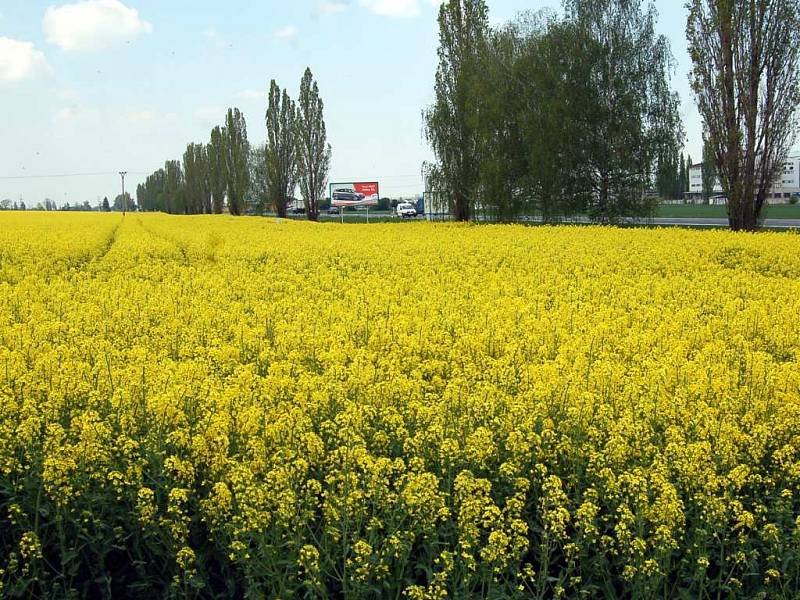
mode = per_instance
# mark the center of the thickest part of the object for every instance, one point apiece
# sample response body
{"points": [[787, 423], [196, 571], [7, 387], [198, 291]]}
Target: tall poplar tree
{"points": [[687, 178], [709, 171], [746, 81], [195, 172], [237, 153], [217, 169], [173, 187], [681, 185], [281, 119], [313, 150], [258, 194]]}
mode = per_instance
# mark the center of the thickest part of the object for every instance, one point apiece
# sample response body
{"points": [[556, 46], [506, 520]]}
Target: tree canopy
{"points": [[745, 77], [554, 115], [313, 150], [281, 156]]}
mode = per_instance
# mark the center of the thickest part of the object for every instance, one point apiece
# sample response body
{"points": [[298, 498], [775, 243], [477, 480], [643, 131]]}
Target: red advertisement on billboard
{"points": [[359, 193]]}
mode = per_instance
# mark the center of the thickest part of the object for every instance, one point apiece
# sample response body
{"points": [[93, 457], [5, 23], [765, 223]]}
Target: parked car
{"points": [[298, 210], [347, 195], [406, 210], [333, 210]]}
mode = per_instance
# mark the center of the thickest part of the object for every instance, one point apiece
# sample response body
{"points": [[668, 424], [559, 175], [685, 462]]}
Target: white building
{"points": [[786, 185]]}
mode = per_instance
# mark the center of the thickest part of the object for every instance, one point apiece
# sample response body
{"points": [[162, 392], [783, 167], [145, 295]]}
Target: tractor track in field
{"points": [[83, 263]]}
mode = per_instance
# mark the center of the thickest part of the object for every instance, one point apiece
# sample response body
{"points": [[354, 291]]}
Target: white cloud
{"points": [[19, 60], [76, 113], [285, 33], [397, 8], [251, 94], [92, 24], [69, 94], [216, 37], [392, 8], [329, 8], [137, 116], [210, 114]]}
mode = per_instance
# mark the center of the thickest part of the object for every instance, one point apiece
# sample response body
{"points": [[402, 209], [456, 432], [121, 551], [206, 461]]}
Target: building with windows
{"points": [[786, 186]]}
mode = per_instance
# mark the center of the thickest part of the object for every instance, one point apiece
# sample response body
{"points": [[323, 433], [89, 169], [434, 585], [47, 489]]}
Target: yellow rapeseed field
{"points": [[234, 407]]}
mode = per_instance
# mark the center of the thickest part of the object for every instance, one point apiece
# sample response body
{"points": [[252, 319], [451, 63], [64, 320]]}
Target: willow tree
{"points": [[237, 155], [313, 150], [504, 153], [633, 115], [555, 97], [452, 123], [281, 157], [745, 59]]}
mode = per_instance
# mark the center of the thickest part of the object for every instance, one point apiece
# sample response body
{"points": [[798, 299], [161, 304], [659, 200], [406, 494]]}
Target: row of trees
{"points": [[553, 115], [677, 183], [672, 177], [708, 174], [8, 204], [228, 171], [51, 205], [574, 114], [212, 174]]}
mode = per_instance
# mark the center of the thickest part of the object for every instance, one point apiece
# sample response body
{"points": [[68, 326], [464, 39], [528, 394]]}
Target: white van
{"points": [[405, 210]]}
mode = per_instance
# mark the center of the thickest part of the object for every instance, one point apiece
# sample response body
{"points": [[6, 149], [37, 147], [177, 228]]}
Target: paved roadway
{"points": [[658, 221], [707, 222]]}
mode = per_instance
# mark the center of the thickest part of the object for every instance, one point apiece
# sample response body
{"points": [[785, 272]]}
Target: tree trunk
{"points": [[604, 194], [461, 208]]}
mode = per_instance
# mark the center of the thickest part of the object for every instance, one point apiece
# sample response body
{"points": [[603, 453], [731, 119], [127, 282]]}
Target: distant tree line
{"points": [[51, 205], [227, 172], [8, 204], [554, 115], [210, 175]]}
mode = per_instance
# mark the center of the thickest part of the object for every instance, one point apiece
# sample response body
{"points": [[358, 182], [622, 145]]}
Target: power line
{"points": [[106, 173], [62, 175], [404, 186], [379, 177]]}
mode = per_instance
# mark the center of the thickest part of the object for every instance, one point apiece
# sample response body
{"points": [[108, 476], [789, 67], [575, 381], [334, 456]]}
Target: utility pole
{"points": [[124, 202]]}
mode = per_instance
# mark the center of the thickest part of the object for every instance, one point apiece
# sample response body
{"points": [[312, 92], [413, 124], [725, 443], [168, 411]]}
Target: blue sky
{"points": [[107, 85]]}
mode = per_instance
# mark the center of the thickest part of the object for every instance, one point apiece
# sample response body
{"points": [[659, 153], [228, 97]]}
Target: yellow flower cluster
{"points": [[220, 406]]}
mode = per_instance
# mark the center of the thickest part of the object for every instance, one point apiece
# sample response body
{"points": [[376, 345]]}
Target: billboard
{"points": [[364, 193]]}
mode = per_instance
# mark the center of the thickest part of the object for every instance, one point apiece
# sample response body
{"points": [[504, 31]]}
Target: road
{"points": [[707, 222], [657, 221]]}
